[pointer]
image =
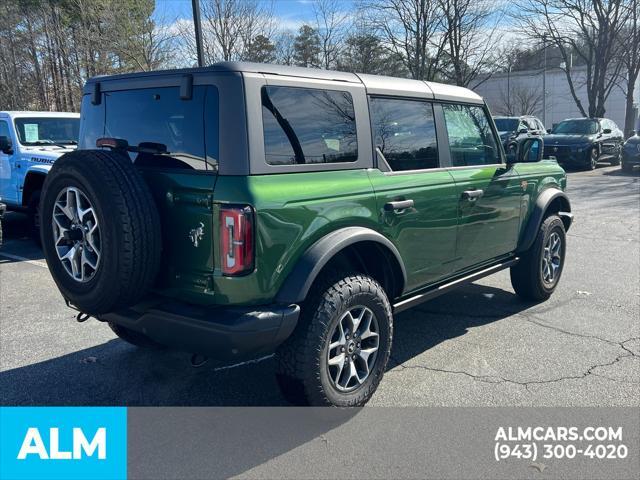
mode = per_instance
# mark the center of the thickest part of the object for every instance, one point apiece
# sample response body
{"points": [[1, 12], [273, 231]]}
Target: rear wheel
{"points": [[537, 274], [338, 353]]}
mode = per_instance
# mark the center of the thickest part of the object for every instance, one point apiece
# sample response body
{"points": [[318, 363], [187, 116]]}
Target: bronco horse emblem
{"points": [[196, 234]]}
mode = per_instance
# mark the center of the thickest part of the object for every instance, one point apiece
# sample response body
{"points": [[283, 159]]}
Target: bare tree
{"points": [[588, 29], [331, 25], [285, 48], [630, 46], [230, 25], [519, 100], [409, 28], [469, 28]]}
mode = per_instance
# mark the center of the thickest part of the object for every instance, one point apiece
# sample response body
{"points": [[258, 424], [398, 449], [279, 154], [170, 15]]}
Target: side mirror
{"points": [[548, 130], [6, 146], [527, 150], [606, 131]]}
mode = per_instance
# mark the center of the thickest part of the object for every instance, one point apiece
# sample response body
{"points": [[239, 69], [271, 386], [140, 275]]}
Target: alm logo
{"points": [[63, 443], [34, 445]]}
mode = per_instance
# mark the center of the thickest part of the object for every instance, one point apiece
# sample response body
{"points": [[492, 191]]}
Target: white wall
{"points": [[559, 102]]}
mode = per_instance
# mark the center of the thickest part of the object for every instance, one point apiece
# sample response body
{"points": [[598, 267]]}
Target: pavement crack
{"points": [[532, 319], [498, 379]]}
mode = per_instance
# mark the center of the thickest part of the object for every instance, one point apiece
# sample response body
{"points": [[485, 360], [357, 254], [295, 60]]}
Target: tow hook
{"points": [[198, 360], [82, 317]]}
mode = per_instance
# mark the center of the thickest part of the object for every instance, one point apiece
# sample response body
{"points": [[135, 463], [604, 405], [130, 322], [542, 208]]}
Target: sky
{"points": [[292, 13]]}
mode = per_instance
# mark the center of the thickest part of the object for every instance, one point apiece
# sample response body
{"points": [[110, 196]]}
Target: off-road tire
{"points": [[526, 275], [34, 217], [134, 338], [129, 228], [301, 369]]}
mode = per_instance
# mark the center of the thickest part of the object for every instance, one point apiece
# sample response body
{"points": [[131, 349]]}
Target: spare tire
{"points": [[100, 230]]}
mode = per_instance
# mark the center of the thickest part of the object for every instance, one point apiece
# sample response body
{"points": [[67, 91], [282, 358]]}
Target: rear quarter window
{"points": [[308, 126]]}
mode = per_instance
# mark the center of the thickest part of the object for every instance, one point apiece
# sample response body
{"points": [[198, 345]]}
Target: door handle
{"points": [[472, 195], [398, 205]]}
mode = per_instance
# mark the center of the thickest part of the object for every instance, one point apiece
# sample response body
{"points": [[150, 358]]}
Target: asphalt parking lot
{"points": [[478, 346]]}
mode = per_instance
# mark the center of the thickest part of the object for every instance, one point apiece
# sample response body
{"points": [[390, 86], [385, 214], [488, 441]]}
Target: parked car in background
{"points": [[583, 142], [631, 153], [241, 209], [29, 144], [512, 129]]}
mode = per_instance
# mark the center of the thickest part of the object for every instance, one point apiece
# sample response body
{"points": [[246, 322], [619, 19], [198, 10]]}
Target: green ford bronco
{"points": [[242, 209]]}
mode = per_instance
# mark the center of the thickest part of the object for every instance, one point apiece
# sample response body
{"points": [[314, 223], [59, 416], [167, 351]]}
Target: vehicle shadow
{"points": [[115, 373], [622, 173], [17, 244]]}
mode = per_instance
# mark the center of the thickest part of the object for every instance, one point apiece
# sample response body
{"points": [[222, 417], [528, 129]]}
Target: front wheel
{"points": [[592, 163], [338, 353], [34, 217], [537, 274]]}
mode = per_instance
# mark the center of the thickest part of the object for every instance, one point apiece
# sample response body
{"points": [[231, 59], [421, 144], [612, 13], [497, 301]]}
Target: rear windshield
{"points": [[307, 125], [48, 131], [169, 131]]}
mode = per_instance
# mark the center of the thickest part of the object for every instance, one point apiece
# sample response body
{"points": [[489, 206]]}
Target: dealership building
{"points": [[521, 93]]}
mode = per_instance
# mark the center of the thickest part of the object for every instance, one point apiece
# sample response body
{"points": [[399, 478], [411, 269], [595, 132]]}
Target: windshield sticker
{"points": [[31, 132]]}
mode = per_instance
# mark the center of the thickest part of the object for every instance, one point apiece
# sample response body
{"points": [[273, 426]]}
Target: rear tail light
{"points": [[236, 240]]}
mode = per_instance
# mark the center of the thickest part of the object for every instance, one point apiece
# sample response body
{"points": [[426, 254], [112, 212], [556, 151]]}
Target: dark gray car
{"points": [[631, 153], [512, 129], [583, 142]]}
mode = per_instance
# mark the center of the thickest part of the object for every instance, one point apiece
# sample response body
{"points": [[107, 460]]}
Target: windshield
{"points": [[507, 124], [578, 127], [48, 131]]}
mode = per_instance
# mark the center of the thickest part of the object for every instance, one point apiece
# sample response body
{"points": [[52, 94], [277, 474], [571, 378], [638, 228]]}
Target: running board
{"points": [[446, 287]]}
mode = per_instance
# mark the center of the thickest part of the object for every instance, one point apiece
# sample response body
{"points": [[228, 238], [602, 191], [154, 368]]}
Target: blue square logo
{"points": [[63, 443]]}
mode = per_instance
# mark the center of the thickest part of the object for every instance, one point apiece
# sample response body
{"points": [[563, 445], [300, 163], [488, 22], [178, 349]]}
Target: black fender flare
{"points": [[297, 284], [543, 202]]}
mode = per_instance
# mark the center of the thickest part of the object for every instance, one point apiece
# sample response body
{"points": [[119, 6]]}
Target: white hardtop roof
{"points": [[22, 114], [380, 85], [375, 84]]}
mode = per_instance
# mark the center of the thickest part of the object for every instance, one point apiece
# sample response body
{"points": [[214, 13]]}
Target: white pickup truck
{"points": [[29, 144]]}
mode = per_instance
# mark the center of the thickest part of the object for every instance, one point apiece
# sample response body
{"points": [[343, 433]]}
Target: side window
{"points": [[308, 126], [471, 140], [176, 127], [405, 133], [4, 129]]}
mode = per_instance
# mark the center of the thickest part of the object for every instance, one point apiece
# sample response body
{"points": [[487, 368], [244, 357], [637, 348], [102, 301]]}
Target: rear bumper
{"points": [[220, 333]]}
